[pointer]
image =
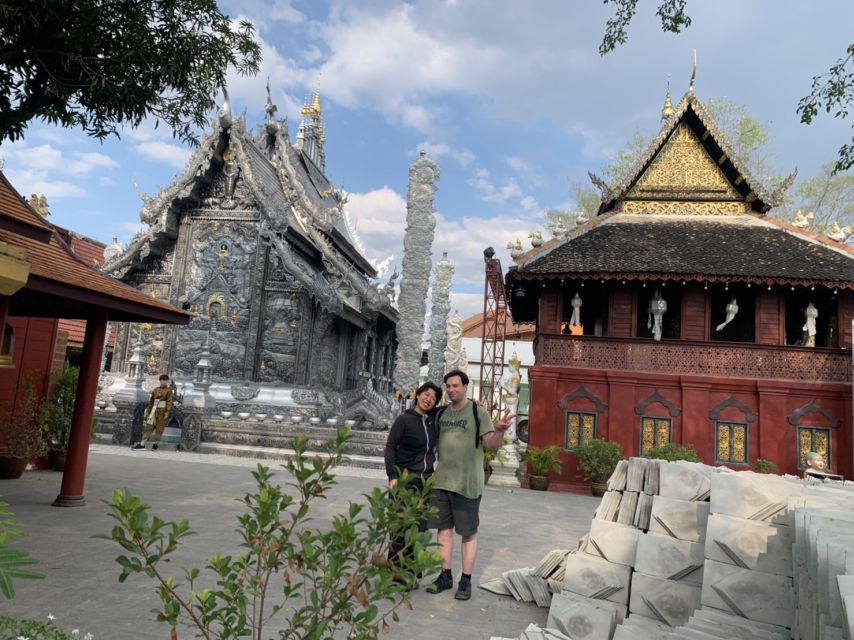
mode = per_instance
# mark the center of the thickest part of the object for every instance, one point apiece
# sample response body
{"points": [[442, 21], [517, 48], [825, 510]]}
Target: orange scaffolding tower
{"points": [[492, 338]]}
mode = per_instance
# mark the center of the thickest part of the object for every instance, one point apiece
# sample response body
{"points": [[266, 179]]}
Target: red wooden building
{"points": [[752, 356], [41, 279]]}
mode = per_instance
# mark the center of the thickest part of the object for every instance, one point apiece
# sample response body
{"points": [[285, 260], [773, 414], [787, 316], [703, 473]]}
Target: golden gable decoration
{"points": [[683, 170]]}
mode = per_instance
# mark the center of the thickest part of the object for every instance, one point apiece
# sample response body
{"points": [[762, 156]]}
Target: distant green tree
{"points": [[828, 195], [832, 92], [98, 64]]}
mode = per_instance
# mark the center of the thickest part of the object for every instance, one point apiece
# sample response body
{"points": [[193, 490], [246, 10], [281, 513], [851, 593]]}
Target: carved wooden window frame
{"points": [[730, 424], [655, 433], [812, 429], [580, 438]]}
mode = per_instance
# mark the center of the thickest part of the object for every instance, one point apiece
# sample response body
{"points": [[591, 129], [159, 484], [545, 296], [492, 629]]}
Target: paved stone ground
{"points": [[81, 588]]}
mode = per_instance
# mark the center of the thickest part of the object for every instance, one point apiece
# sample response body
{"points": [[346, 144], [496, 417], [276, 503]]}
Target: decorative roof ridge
{"points": [[532, 255], [812, 236], [34, 219], [689, 99]]}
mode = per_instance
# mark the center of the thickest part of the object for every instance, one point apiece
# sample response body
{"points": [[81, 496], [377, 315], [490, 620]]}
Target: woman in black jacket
{"points": [[411, 446]]}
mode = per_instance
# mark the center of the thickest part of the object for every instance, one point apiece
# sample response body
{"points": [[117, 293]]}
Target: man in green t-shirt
{"points": [[463, 427]]}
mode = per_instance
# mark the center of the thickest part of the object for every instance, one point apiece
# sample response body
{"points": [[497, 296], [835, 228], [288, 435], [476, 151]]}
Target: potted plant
{"points": [[672, 452], [543, 461], [21, 433], [58, 411], [597, 460]]}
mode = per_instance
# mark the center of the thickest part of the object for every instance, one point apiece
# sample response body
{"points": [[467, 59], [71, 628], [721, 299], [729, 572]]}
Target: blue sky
{"points": [[512, 99]]}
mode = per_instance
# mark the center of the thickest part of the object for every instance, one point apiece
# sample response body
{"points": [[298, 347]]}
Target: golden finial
{"points": [[39, 205], [152, 361], [667, 110]]}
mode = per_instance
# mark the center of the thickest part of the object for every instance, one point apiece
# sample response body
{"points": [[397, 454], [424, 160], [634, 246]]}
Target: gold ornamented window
{"points": [[580, 429], [655, 432], [813, 439], [731, 442]]}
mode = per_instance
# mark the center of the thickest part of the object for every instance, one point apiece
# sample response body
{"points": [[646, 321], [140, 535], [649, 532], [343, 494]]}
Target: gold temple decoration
{"points": [[216, 304], [817, 440], [147, 326], [152, 292], [683, 170], [223, 250], [655, 432], [234, 317], [732, 442], [667, 110], [152, 361], [683, 207]]}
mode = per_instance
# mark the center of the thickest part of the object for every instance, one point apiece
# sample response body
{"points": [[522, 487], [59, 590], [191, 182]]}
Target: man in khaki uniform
{"points": [[156, 413]]}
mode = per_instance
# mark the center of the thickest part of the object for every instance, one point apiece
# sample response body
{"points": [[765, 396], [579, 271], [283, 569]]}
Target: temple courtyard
{"points": [[81, 587]]}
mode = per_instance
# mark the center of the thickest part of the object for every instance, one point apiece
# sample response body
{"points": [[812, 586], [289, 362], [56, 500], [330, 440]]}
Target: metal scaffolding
{"points": [[492, 338]]}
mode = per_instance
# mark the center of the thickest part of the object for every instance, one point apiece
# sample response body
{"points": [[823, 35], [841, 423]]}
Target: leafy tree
{"points": [[832, 92], [12, 560], [828, 195], [98, 64]]}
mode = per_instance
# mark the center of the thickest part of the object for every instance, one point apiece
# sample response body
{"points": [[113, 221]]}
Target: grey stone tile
{"points": [[669, 558], [681, 519], [667, 601], [749, 544], [596, 578], [612, 541], [754, 595]]}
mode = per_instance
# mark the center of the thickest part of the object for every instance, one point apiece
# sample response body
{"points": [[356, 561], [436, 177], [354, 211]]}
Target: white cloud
{"points": [[529, 203], [489, 191], [530, 175], [91, 160], [105, 181], [467, 305], [28, 181], [160, 151], [436, 150]]}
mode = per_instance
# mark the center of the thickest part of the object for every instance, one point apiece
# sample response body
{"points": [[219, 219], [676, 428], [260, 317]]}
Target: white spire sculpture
{"points": [[442, 273], [415, 278], [453, 352]]}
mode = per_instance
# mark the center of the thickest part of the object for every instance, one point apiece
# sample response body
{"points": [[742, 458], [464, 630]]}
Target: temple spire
{"points": [[667, 110], [311, 136], [693, 74]]}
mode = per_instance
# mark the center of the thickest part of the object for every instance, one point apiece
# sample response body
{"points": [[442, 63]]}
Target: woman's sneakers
{"points": [[138, 446], [444, 582]]}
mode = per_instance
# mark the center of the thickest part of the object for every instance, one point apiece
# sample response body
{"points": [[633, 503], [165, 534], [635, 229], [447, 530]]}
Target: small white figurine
{"points": [[731, 310]]}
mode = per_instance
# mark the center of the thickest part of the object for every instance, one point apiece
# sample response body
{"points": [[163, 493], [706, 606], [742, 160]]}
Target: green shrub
{"points": [[12, 560], [323, 582], [37, 630], [672, 451], [764, 466], [59, 408], [543, 460], [597, 459]]}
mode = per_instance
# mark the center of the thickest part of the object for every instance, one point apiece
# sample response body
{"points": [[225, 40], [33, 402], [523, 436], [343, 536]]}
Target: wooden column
{"points": [[71, 493]]}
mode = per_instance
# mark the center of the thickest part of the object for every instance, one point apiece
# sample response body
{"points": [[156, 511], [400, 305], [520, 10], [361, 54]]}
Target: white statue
{"points": [[559, 231], [536, 238], [731, 310], [811, 313], [510, 382], [802, 221], [840, 234], [581, 219], [657, 309], [516, 249], [575, 320]]}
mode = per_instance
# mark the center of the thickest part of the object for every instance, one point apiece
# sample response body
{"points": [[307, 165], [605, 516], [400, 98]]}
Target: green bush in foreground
{"points": [[672, 451], [309, 583]]}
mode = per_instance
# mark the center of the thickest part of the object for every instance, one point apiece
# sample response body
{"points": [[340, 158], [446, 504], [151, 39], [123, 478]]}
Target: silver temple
{"points": [[252, 238]]}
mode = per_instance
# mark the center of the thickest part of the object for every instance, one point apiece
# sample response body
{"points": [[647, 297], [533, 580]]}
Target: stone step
{"points": [[278, 453], [364, 443]]}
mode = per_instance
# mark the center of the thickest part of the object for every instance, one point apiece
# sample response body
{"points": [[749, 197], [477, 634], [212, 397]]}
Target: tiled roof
{"points": [[13, 206], [56, 271], [693, 247], [76, 330]]}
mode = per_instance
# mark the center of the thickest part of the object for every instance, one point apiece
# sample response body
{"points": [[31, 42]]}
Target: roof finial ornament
{"points": [[271, 108], [667, 110], [693, 74], [225, 111]]}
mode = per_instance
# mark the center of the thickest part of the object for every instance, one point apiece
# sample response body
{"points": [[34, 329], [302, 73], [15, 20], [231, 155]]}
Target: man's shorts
{"points": [[455, 511]]}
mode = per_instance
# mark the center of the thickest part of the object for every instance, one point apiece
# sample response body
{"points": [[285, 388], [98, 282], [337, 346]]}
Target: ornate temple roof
{"points": [[690, 160], [690, 210], [290, 190]]}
